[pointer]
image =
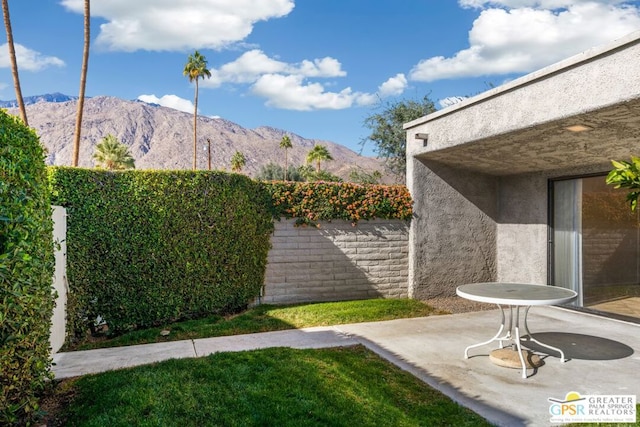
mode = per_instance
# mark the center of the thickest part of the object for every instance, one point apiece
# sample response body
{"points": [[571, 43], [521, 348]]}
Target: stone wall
{"points": [[337, 261]]}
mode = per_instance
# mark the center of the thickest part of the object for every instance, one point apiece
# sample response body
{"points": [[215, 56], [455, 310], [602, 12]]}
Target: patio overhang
{"points": [[523, 126], [479, 171]]}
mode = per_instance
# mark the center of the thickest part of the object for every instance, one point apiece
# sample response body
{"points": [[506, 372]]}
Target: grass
{"points": [[265, 318], [348, 386]]}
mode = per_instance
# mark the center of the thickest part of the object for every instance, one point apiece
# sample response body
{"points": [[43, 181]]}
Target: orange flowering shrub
{"points": [[309, 202]]}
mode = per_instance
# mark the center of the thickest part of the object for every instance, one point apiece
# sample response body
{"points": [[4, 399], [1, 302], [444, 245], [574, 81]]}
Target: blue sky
{"points": [[316, 68]]}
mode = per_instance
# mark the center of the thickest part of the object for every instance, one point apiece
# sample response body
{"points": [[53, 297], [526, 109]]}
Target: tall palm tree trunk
{"points": [[285, 164], [196, 68], [14, 62], [195, 124], [83, 83]]}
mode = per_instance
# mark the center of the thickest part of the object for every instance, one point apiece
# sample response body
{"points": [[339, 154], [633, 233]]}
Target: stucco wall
{"points": [[59, 318], [523, 224], [337, 261], [470, 227], [453, 233], [479, 178], [522, 230], [582, 83]]}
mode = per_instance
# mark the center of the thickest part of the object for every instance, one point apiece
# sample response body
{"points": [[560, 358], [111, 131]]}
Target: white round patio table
{"points": [[515, 295]]}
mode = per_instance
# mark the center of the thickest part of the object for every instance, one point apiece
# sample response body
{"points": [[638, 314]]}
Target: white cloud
{"points": [[364, 99], [170, 101], [451, 100], [246, 69], [254, 63], [543, 4], [394, 86], [289, 86], [293, 93], [28, 59], [524, 36], [325, 67], [171, 25]]}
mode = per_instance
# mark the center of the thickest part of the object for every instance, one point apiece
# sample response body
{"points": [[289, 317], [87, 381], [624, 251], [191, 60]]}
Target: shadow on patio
{"points": [[603, 359]]}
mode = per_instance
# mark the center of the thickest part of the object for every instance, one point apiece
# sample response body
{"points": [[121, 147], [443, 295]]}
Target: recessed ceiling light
{"points": [[578, 128]]}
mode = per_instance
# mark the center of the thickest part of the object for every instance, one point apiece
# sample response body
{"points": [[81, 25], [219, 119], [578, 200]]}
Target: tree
{"points": [[195, 69], [319, 153], [387, 133], [113, 155], [285, 143], [627, 175], [275, 172], [312, 175], [83, 83], [360, 176], [238, 161], [14, 62]]}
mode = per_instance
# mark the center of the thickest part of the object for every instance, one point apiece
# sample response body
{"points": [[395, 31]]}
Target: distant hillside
{"points": [[49, 97], [162, 138]]}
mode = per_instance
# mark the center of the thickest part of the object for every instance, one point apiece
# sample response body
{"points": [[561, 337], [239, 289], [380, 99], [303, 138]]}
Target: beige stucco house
{"points": [[509, 185]]}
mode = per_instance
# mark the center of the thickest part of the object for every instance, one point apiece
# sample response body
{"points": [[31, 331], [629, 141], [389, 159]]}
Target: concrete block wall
{"points": [[610, 257], [337, 261]]}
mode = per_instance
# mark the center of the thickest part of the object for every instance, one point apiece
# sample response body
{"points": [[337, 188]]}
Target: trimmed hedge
{"points": [[309, 202], [149, 247], [26, 272]]}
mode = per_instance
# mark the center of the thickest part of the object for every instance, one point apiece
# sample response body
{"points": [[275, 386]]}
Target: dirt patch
{"points": [[57, 398], [458, 305]]}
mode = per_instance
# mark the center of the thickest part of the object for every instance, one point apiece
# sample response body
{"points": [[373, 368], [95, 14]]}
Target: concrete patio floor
{"points": [[604, 357]]}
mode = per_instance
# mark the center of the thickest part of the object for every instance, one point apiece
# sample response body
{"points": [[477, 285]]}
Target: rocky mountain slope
{"points": [[162, 138]]}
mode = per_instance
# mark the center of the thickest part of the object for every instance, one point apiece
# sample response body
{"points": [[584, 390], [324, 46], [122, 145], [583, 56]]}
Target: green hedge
{"points": [[148, 247], [26, 271], [310, 202]]}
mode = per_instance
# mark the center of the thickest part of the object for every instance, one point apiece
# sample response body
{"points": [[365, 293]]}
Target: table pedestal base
{"points": [[508, 358], [515, 339]]}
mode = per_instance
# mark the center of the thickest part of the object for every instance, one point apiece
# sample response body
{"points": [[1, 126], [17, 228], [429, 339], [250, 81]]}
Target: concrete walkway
{"points": [[604, 357]]}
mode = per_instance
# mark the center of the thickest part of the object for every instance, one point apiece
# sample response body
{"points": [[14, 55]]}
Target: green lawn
{"points": [[273, 387], [265, 318]]}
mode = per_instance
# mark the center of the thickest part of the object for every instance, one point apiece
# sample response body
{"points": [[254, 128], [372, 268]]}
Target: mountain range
{"points": [[162, 138], [48, 97]]}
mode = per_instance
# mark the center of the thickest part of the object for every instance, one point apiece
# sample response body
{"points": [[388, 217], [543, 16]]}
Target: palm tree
{"points": [[238, 161], [285, 143], [113, 155], [83, 83], [318, 154], [14, 62], [196, 68]]}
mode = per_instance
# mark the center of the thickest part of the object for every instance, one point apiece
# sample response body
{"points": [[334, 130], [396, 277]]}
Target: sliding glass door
{"points": [[596, 246], [567, 237]]}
